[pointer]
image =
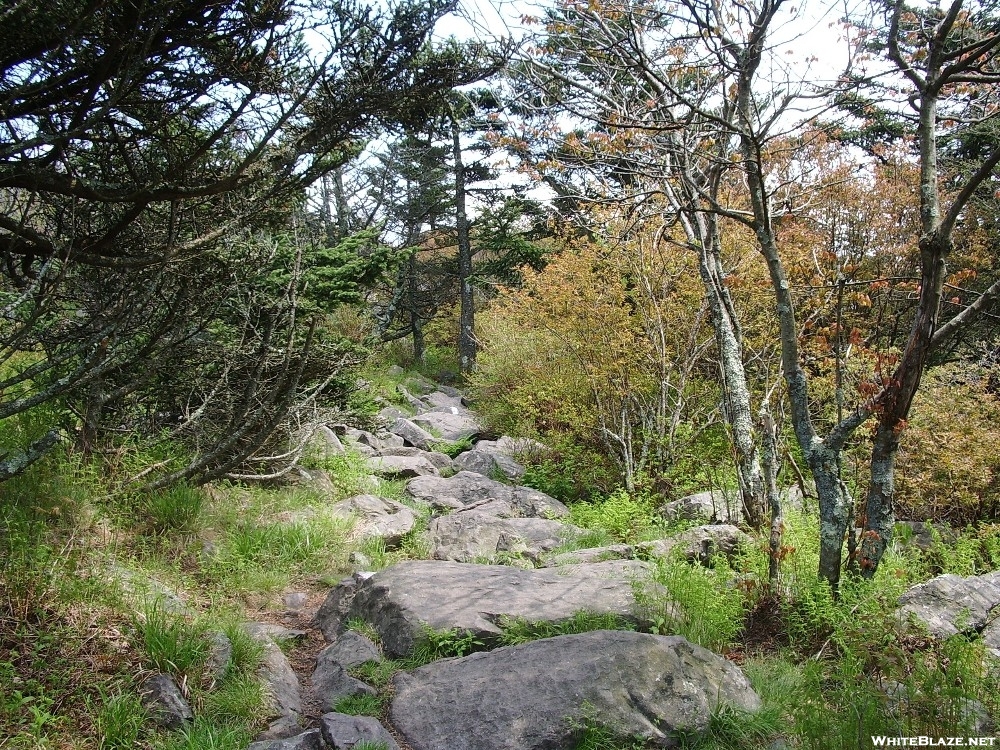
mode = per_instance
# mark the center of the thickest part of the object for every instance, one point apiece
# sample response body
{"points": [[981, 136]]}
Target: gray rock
{"points": [[592, 555], [950, 604], [334, 609], [468, 536], [440, 460], [310, 740], [268, 631], [715, 505], [389, 414], [402, 467], [466, 488], [419, 385], [489, 463], [923, 536], [377, 517], [331, 682], [390, 441], [281, 684], [439, 399], [164, 702], [283, 727], [535, 696], [394, 371], [349, 650], [513, 447], [991, 637], [701, 543], [144, 591], [220, 651], [295, 600], [363, 437], [453, 423], [400, 601], [412, 434], [326, 441], [317, 480], [344, 732]]}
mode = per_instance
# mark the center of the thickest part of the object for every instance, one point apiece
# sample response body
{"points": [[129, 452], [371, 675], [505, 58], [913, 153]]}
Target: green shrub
{"points": [[570, 473], [439, 644], [699, 603], [622, 515]]}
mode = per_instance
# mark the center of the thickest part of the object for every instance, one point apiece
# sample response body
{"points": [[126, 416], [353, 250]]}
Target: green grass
{"points": [[378, 674], [362, 705], [175, 509], [240, 699], [695, 602], [519, 630], [119, 720], [453, 448], [170, 643], [204, 734]]}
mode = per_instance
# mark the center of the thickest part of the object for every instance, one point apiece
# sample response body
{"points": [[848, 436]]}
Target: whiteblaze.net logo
{"points": [[922, 741]]}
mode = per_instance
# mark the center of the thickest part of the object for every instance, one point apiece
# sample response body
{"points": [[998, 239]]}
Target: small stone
{"points": [[343, 732], [164, 701], [311, 740]]}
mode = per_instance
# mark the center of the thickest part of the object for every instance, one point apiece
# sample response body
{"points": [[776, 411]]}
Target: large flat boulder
{"points": [[467, 487], [476, 535], [513, 447], [951, 604], [537, 695], [449, 422], [400, 601]]}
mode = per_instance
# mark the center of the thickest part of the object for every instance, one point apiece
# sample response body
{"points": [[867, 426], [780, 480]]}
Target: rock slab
{"points": [[950, 604], [400, 601], [535, 696], [468, 488]]}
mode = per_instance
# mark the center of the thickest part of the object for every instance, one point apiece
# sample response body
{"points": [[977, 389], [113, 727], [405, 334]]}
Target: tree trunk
{"points": [[736, 392], [466, 323], [416, 324]]}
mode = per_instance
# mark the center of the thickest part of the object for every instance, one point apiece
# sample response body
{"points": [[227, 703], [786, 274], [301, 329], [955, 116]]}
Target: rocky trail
{"points": [[502, 554]]}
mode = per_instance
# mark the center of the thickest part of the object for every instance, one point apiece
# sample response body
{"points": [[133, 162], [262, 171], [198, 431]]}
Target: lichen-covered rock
{"points": [[467, 488], [465, 536], [950, 604], [310, 740], [537, 695], [402, 467], [399, 602], [377, 517], [490, 463]]}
